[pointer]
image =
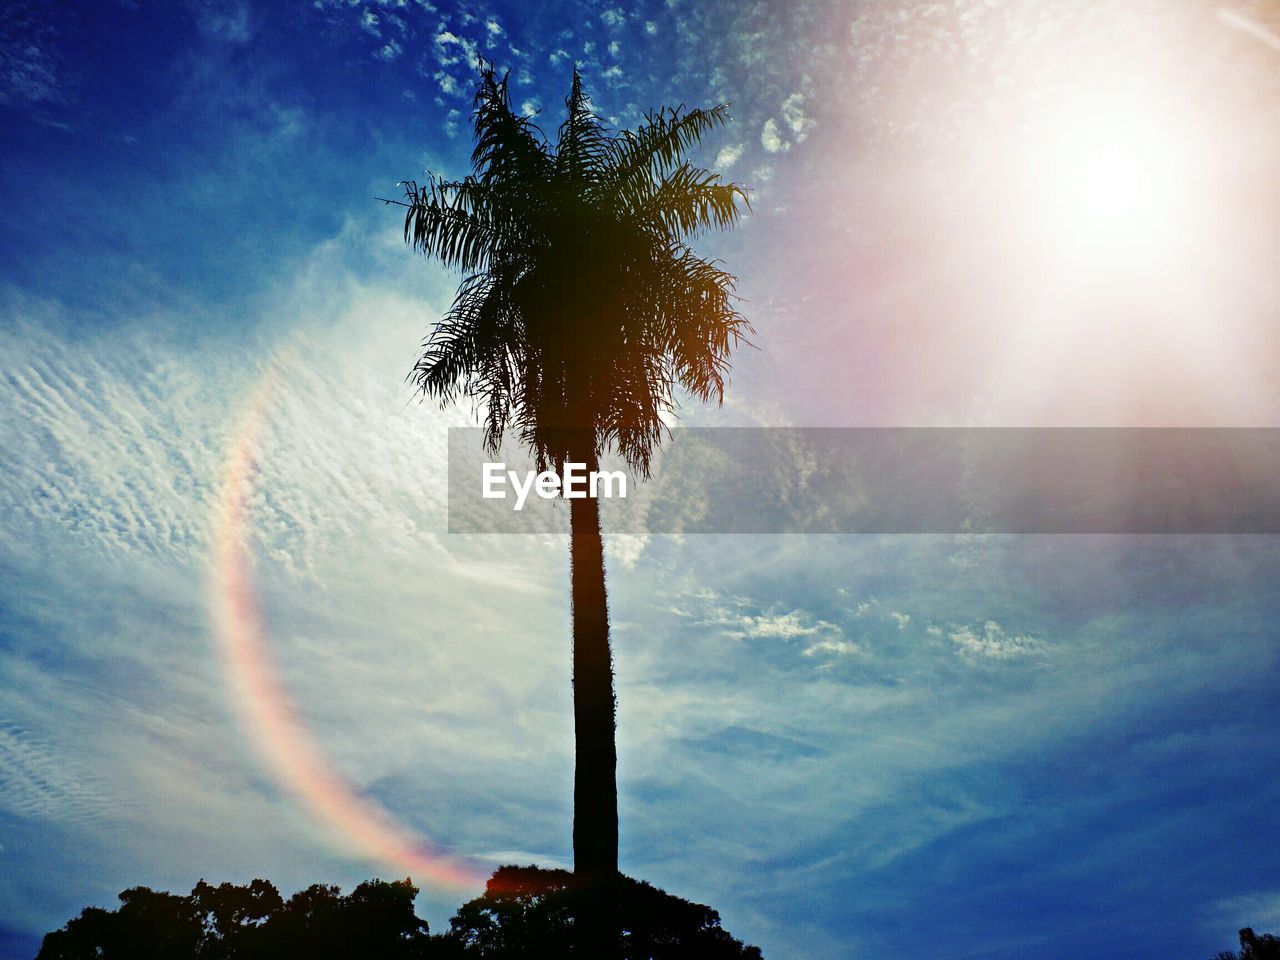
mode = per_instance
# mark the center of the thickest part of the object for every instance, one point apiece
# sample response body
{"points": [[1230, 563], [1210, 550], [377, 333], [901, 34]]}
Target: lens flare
{"points": [[1248, 27], [272, 724]]}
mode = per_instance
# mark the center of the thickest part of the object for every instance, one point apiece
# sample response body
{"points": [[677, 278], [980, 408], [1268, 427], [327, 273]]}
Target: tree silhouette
{"points": [[229, 922], [531, 912], [524, 913], [232, 916], [582, 311], [1253, 947]]}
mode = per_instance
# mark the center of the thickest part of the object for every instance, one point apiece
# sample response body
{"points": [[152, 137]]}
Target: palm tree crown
{"points": [[583, 305]]}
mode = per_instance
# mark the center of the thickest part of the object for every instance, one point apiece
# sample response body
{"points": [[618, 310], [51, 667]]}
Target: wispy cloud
{"points": [[231, 23], [33, 70], [112, 470], [795, 118], [452, 49], [991, 641], [786, 626], [1259, 910], [728, 156], [771, 139], [448, 85], [37, 781]]}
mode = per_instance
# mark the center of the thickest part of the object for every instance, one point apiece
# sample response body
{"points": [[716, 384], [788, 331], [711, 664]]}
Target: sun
{"points": [[1123, 294], [1110, 181]]}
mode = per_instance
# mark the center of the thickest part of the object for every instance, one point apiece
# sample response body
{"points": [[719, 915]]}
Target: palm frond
{"points": [[701, 325], [470, 345], [582, 148], [449, 221], [645, 155], [508, 146], [690, 200]]}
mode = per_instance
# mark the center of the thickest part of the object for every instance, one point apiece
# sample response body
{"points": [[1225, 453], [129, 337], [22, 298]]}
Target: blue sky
{"points": [[988, 746]]}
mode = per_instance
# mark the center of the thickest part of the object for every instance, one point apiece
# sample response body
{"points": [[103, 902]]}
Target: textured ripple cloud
{"points": [[270, 720]]}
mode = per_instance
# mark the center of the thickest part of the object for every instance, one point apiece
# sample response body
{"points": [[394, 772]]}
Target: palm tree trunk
{"points": [[595, 781]]}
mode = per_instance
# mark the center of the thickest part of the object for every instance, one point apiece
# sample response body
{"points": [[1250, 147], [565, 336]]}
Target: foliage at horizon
{"points": [[374, 922], [1253, 947], [524, 912]]}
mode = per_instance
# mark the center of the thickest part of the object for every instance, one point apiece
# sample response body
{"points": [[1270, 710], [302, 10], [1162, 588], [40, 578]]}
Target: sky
{"points": [[237, 639]]}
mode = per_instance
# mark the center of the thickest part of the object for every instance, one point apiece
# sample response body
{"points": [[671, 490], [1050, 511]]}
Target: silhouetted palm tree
{"points": [[582, 310]]}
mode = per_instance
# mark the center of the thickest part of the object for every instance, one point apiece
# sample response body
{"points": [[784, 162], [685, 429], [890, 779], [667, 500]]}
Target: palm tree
{"points": [[582, 310]]}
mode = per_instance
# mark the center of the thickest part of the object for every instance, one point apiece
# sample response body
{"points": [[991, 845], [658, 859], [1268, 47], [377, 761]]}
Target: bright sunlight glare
{"points": [[1110, 181], [1110, 241]]}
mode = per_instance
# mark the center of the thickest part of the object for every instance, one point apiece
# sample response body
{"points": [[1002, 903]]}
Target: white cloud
{"points": [[612, 73], [794, 116], [112, 467], [369, 23], [614, 48], [396, 639], [651, 28], [451, 49], [840, 648], [728, 156], [771, 139], [992, 642], [39, 781], [786, 626], [735, 619], [390, 50], [626, 548], [1260, 910], [448, 84], [613, 18]]}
